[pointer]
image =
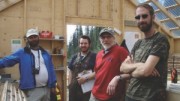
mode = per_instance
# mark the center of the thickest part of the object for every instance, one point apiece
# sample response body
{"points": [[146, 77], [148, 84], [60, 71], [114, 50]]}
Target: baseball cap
{"points": [[107, 30], [32, 32]]}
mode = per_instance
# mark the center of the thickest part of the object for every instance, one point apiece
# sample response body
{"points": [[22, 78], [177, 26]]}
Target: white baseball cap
{"points": [[32, 32]]}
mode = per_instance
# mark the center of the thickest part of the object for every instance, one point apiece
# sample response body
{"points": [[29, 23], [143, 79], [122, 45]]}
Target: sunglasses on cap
{"points": [[144, 16]]}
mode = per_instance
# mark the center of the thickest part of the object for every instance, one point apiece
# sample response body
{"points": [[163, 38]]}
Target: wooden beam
{"points": [[177, 37], [146, 2], [164, 20], [25, 17], [89, 21], [172, 6], [130, 23], [134, 2], [53, 16], [10, 93], [175, 28], [165, 12], [177, 17], [158, 10], [163, 28], [15, 94], [178, 2], [7, 3], [3, 97]]}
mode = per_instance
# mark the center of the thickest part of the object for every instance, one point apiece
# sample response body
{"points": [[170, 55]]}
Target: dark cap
{"points": [[107, 30]]}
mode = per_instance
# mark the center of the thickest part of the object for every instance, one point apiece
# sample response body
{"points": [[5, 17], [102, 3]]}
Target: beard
{"points": [[84, 49], [145, 27], [33, 43], [106, 47]]}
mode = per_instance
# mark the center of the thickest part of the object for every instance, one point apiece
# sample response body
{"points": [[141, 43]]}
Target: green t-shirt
{"points": [[145, 88]]}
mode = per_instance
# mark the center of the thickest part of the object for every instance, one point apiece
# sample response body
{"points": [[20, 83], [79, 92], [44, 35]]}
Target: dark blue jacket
{"points": [[26, 62]]}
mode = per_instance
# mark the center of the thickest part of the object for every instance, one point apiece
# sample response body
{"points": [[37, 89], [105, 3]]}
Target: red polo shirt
{"points": [[106, 68]]}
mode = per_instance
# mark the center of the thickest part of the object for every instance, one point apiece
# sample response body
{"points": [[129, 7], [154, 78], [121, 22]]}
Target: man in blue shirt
{"points": [[37, 73]]}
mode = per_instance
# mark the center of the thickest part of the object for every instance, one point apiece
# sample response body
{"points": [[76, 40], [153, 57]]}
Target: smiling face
{"points": [[84, 45], [144, 19]]}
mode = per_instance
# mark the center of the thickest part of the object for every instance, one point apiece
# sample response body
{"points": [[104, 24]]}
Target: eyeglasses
{"points": [[106, 36], [144, 16]]}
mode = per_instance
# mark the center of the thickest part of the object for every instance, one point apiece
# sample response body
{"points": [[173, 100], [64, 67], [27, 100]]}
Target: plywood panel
{"points": [[129, 11], [53, 15], [71, 7], [106, 9], [10, 32], [41, 23], [90, 6], [39, 8], [177, 45], [59, 17], [13, 11], [39, 14]]}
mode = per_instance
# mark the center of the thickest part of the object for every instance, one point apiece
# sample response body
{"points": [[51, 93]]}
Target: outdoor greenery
{"points": [[92, 32]]}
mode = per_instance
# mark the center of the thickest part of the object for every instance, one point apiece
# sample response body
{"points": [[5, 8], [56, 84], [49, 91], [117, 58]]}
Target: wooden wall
{"points": [[176, 45], [54, 15]]}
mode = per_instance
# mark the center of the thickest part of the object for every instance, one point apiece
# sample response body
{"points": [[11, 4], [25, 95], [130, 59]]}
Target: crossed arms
{"points": [[139, 70]]}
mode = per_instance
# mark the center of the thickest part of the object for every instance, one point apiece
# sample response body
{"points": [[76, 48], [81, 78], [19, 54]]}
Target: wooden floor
{"points": [[9, 92]]}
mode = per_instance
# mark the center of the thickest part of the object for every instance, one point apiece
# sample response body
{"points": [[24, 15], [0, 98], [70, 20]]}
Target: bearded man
{"points": [[81, 62], [37, 75], [109, 82], [147, 64]]}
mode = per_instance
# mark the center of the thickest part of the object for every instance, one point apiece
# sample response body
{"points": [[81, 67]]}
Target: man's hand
{"points": [[112, 85], [53, 90], [128, 59], [155, 73], [81, 80]]}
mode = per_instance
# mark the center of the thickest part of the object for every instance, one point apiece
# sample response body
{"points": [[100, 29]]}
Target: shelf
{"points": [[55, 47]]}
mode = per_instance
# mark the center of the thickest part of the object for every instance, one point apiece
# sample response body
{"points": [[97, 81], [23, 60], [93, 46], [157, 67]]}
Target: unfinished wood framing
{"points": [[53, 15]]}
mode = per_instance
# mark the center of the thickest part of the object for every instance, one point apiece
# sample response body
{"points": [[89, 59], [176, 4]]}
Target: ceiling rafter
{"points": [[148, 1], [175, 28], [165, 12], [158, 10], [178, 2], [172, 6], [164, 20], [7, 3], [177, 17]]}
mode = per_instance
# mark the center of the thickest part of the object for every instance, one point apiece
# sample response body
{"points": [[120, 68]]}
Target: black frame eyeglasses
{"points": [[144, 16]]}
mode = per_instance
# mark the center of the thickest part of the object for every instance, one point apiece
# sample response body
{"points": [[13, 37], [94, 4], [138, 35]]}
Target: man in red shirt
{"points": [[109, 85]]}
